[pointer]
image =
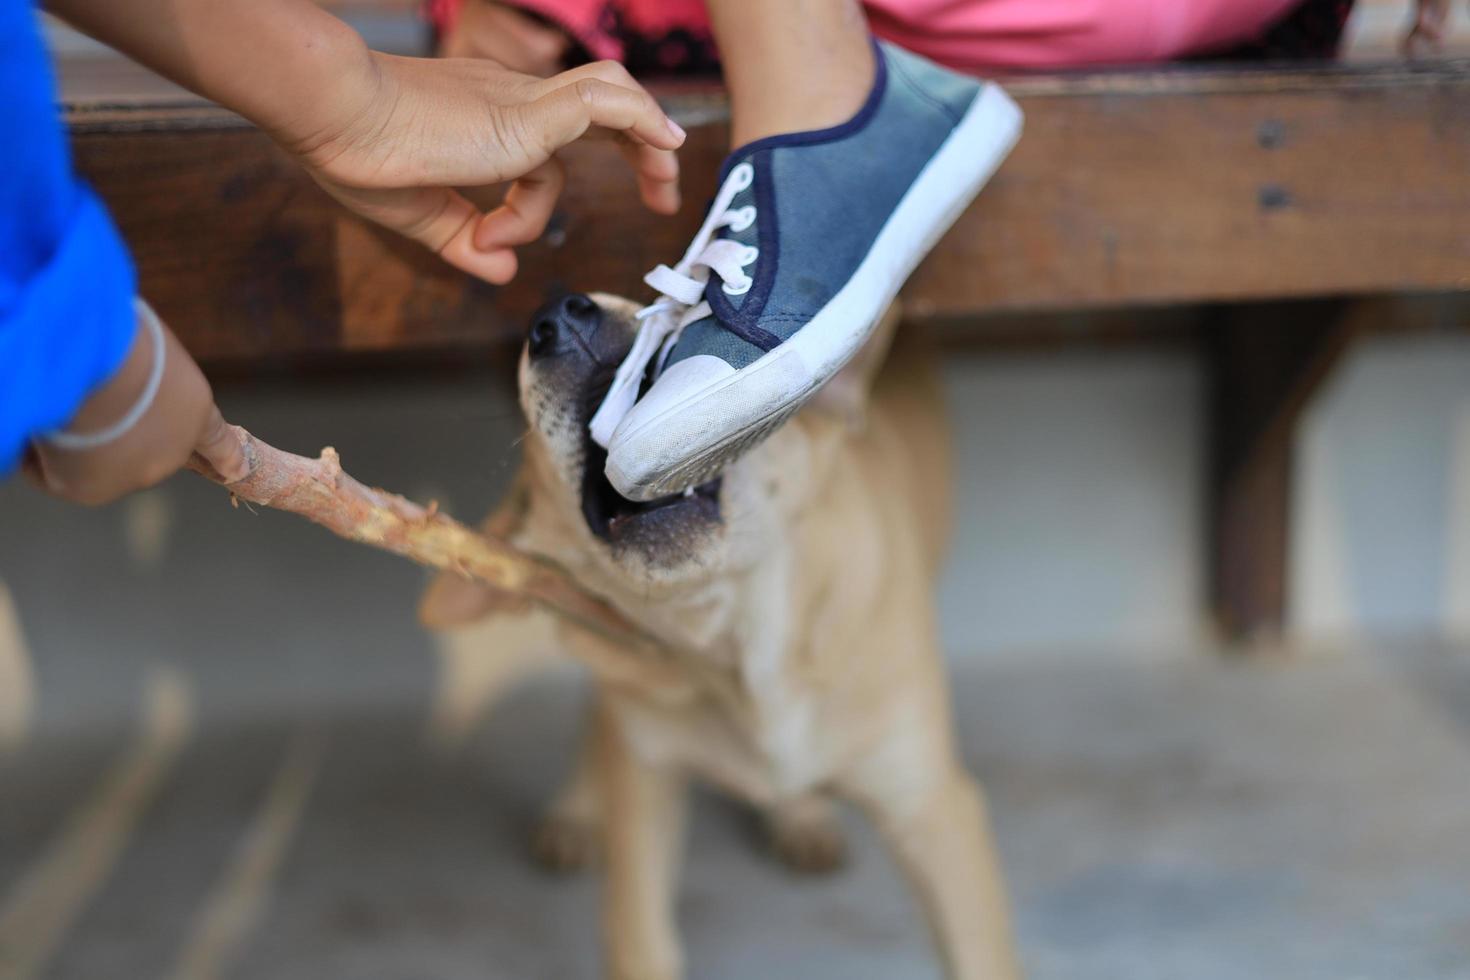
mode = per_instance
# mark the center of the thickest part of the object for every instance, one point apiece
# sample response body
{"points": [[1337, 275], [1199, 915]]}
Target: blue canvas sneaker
{"points": [[807, 242]]}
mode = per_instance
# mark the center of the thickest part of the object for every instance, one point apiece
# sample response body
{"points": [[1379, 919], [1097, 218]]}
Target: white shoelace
{"points": [[681, 298]]}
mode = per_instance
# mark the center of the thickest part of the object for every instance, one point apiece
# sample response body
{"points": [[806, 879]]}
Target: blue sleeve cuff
{"points": [[67, 330]]}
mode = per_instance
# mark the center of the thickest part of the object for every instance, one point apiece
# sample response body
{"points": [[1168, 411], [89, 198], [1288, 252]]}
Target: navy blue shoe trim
{"points": [[743, 321]]}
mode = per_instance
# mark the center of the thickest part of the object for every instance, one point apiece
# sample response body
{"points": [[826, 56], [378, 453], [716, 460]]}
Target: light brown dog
{"points": [[796, 593]]}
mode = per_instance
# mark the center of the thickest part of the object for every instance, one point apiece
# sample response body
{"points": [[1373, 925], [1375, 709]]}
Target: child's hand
{"points": [[1431, 17], [393, 137], [430, 126], [487, 29], [181, 420]]}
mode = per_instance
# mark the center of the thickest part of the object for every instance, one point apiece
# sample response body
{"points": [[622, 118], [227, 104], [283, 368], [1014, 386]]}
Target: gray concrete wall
{"points": [[1381, 540], [1079, 524], [1078, 521]]}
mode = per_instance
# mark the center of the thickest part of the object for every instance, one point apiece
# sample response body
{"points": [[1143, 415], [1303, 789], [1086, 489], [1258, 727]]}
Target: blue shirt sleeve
{"points": [[66, 281]]}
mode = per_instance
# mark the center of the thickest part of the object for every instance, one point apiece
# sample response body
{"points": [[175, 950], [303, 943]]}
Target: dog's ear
{"points": [[452, 601], [846, 395]]}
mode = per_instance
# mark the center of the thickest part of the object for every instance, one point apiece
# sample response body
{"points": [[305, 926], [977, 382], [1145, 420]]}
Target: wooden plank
{"points": [[1183, 187], [1138, 187]]}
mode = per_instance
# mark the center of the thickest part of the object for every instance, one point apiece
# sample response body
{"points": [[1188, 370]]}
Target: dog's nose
{"points": [[563, 322]]}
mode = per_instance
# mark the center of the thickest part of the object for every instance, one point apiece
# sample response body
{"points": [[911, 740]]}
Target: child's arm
{"points": [[391, 137], [73, 358], [178, 420], [283, 64]]}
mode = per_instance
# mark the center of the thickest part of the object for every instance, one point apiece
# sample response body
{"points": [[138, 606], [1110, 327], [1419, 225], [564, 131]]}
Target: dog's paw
{"points": [[809, 843], [565, 845]]}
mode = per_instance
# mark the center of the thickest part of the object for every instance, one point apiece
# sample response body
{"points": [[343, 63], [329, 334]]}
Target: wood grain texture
{"points": [[1138, 187], [1218, 186]]}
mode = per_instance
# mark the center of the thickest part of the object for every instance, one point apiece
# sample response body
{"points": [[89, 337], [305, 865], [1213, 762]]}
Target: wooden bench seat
{"points": [[1177, 186], [1128, 188]]}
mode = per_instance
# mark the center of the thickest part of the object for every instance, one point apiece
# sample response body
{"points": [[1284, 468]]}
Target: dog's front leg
{"points": [[644, 818], [570, 835], [933, 815]]}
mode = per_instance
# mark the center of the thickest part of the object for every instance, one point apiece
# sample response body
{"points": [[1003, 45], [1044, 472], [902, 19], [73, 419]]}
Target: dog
{"points": [[794, 594]]}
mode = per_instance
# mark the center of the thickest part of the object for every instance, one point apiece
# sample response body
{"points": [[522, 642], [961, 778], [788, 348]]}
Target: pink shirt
{"points": [[986, 34], [978, 35]]}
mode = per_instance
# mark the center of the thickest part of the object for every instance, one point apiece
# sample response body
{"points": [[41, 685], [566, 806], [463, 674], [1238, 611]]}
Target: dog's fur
{"points": [[796, 594]]}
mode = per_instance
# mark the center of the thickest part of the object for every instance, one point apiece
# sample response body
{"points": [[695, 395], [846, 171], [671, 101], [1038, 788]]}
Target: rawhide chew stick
{"points": [[319, 490]]}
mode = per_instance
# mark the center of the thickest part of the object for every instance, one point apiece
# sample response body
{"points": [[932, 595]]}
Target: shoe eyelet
{"points": [[742, 218], [742, 176], [738, 288], [750, 254]]}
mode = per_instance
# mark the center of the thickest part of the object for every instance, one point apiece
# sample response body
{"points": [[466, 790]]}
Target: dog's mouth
{"points": [[611, 516], [657, 524]]}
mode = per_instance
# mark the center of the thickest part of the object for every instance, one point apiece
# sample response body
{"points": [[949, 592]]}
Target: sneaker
{"points": [[806, 244]]}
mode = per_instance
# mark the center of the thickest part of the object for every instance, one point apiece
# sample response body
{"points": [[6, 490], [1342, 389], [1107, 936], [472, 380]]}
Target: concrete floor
{"points": [[227, 751], [1201, 820]]}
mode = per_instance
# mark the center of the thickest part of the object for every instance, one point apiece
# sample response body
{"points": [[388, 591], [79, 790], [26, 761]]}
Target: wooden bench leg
{"points": [[1263, 363]]}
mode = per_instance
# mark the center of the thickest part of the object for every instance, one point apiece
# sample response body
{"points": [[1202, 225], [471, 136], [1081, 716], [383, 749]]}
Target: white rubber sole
{"points": [[690, 441]]}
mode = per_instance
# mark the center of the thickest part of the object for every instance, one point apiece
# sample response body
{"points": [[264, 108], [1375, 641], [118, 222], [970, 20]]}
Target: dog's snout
{"points": [[543, 337], [579, 305], [562, 322]]}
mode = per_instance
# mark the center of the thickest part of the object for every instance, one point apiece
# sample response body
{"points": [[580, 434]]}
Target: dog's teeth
{"points": [[689, 491]]}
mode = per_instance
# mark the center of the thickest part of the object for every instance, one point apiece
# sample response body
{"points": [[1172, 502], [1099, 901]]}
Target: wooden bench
{"points": [[1182, 186]]}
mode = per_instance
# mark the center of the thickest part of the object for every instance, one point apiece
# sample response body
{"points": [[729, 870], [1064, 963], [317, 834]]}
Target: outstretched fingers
{"points": [[451, 233], [657, 172], [523, 215], [605, 96], [551, 114]]}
